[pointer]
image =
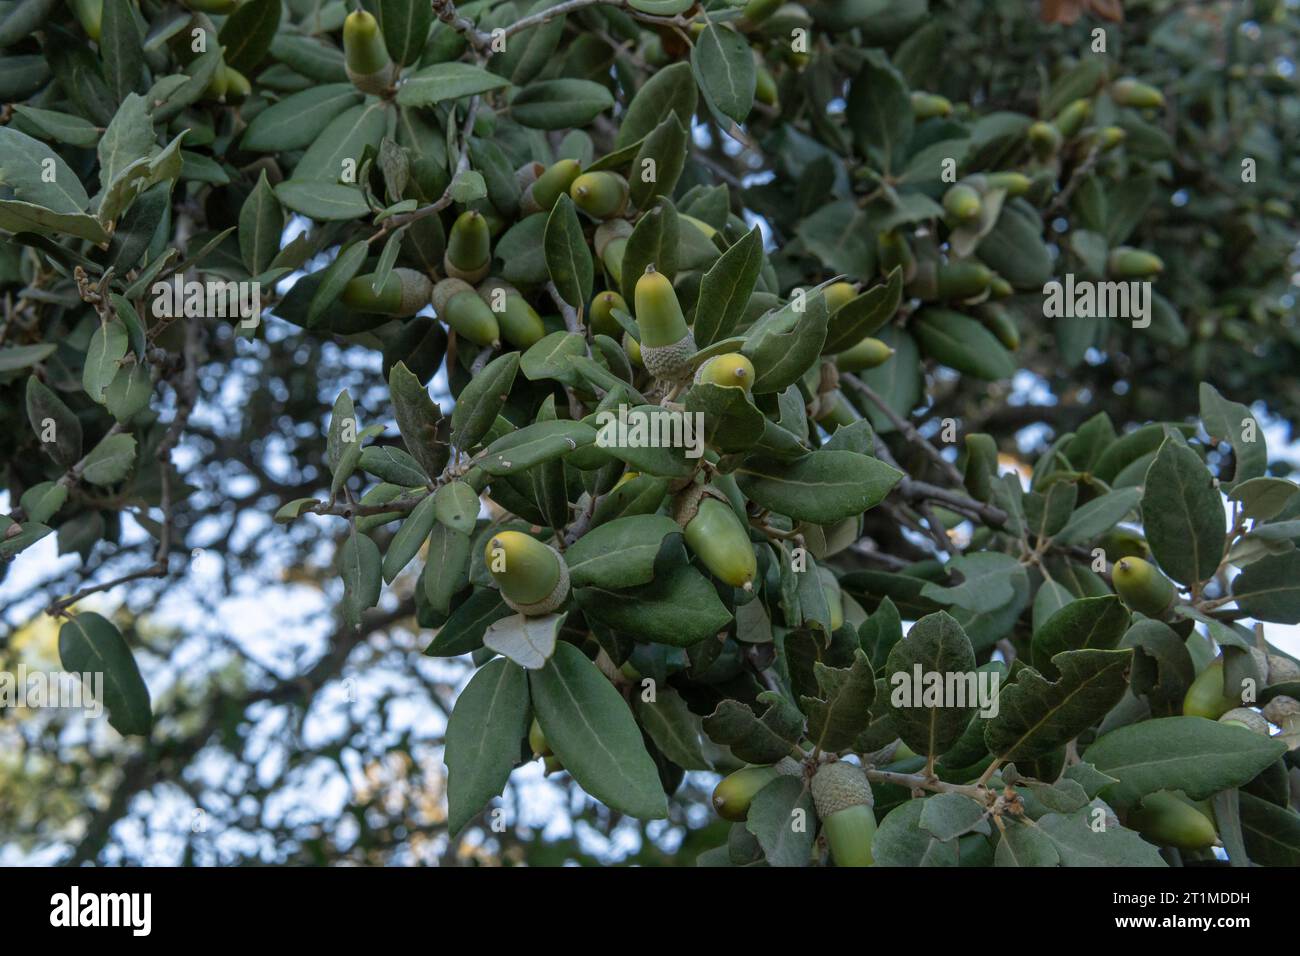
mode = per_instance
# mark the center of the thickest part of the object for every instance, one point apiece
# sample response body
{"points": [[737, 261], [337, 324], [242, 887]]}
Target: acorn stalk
{"points": [[532, 577]]}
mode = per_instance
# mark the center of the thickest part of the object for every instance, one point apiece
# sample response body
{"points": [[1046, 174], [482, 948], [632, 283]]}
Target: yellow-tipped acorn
{"points": [[929, 105], [365, 57], [869, 353], [553, 183], [838, 295], [1132, 92], [469, 248], [90, 14], [732, 370], [1168, 818], [458, 305], [537, 740], [405, 292], [520, 324], [1207, 697], [962, 280], [601, 315], [1071, 119], [218, 85], [844, 803], [666, 341], [765, 87], [633, 349], [1142, 587], [533, 578], [999, 321], [1016, 184], [716, 536], [1044, 138], [237, 86], [962, 203], [601, 195], [1125, 262], [734, 793]]}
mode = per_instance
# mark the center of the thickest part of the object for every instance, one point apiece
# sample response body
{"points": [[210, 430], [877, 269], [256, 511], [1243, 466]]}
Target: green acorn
{"points": [[1142, 587], [999, 321], [894, 252], [981, 466], [1281, 669], [929, 105], [537, 740], [999, 288], [459, 306], [237, 86], [550, 185], [716, 536], [610, 241], [405, 292], [962, 280], [601, 315], [1108, 137], [765, 87], [519, 322], [1016, 184], [90, 14], [732, 370], [869, 353], [844, 802], [469, 248], [838, 295], [601, 195], [1132, 92], [1252, 720], [1124, 543], [962, 203], [1071, 119], [1207, 697], [1168, 818], [756, 11], [218, 85], [666, 341], [1125, 262], [633, 349], [734, 792], [365, 57], [1044, 138], [533, 578]]}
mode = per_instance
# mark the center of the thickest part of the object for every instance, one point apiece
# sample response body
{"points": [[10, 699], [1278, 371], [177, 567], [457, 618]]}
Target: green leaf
{"points": [[1182, 514], [457, 506], [528, 641], [73, 130], [962, 343], [464, 630], [56, 426], [15, 357], [549, 358], [781, 819], [38, 175], [297, 120], [620, 553], [1098, 516], [669, 90], [337, 275], [1095, 622], [1233, 422], [25, 217], [359, 566], [110, 460], [590, 728], [897, 381], [986, 582], [724, 67], [90, 644], [726, 289], [938, 645], [343, 443], [261, 224], [1023, 843], [392, 464], [294, 509], [950, 815], [655, 241], [1192, 754], [1272, 833], [559, 104], [763, 740], [484, 730], [1263, 499], [446, 569], [533, 445], [120, 49], [1078, 844], [568, 260], [900, 841], [1035, 716], [447, 81], [406, 542], [822, 487], [479, 404], [787, 344], [108, 345], [42, 502], [418, 418], [129, 392], [1269, 590], [343, 141], [879, 109], [841, 712], [672, 727], [864, 315], [667, 146], [680, 608]]}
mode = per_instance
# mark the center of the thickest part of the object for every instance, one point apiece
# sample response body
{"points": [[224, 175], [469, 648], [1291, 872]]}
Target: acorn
{"points": [[716, 536], [734, 792], [962, 203], [1124, 543], [732, 370], [469, 248], [610, 241], [601, 315], [633, 349], [365, 57], [537, 740], [550, 185], [999, 321], [962, 280], [1108, 137], [1142, 587], [601, 195], [405, 292], [1282, 669], [838, 295], [844, 802], [519, 322], [1071, 119], [929, 105], [666, 341], [1168, 818], [533, 578], [999, 288], [1132, 92], [869, 353], [459, 306], [238, 87], [1207, 697], [218, 85], [1252, 720], [1044, 138], [90, 14], [894, 252], [765, 87], [981, 466], [834, 409], [1015, 184], [756, 11], [1125, 262]]}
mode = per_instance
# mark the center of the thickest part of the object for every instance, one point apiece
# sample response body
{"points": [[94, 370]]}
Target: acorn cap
{"points": [[1281, 709], [1252, 720], [1282, 669], [444, 290], [607, 232], [838, 786]]}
